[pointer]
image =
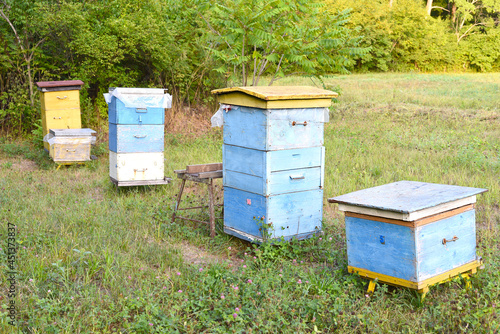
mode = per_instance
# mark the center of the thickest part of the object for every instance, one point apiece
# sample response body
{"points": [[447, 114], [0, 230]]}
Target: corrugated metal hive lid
{"points": [[275, 97]]}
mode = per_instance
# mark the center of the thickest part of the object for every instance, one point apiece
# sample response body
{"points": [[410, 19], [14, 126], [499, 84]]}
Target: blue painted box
{"points": [[136, 138], [410, 233], [274, 129], [273, 172], [273, 161], [137, 105], [256, 218]]}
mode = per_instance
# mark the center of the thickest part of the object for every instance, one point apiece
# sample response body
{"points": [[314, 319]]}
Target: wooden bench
{"points": [[204, 173]]}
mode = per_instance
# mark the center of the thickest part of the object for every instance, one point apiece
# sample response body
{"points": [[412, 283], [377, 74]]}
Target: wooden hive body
{"points": [[273, 161], [70, 145], [410, 231], [60, 105]]}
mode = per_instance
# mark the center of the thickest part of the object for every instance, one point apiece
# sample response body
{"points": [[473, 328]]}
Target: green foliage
{"points": [[418, 41], [482, 51], [371, 18], [252, 38], [191, 47]]}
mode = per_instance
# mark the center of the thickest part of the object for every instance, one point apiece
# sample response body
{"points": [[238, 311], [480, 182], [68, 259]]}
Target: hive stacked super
{"points": [[64, 139], [136, 135], [273, 160]]}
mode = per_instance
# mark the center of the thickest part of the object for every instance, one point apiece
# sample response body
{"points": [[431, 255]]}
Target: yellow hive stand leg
{"points": [[371, 287], [468, 284], [423, 293]]}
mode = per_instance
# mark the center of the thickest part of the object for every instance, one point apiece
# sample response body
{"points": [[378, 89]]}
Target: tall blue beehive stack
{"points": [[136, 135], [273, 160]]}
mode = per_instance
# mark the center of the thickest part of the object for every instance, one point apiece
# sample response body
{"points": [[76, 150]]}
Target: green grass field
{"points": [[92, 258]]}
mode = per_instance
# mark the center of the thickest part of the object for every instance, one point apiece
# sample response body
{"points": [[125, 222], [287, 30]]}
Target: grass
{"points": [[95, 259]]}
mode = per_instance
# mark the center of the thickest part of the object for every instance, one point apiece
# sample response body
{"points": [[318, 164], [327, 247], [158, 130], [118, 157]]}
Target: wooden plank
{"points": [[467, 268], [412, 216], [409, 197], [415, 223], [273, 93], [193, 220], [63, 83], [75, 132], [191, 169], [241, 99], [211, 208], [140, 182], [212, 175]]}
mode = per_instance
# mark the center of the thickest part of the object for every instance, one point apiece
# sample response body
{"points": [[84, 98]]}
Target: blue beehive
{"points": [[273, 160], [136, 135], [411, 234]]}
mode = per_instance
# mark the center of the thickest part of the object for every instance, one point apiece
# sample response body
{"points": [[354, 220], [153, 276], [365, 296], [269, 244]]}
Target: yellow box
{"points": [[60, 104], [70, 149]]}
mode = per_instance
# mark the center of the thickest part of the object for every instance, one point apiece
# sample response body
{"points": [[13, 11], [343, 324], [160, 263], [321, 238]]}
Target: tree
{"points": [[251, 38], [470, 16], [26, 45]]}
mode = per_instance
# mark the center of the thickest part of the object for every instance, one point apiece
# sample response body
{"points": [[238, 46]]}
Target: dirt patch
{"points": [[21, 165], [195, 255]]}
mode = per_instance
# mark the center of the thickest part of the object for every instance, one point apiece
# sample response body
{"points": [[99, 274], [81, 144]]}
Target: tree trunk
{"points": [[30, 81], [453, 12], [429, 7]]}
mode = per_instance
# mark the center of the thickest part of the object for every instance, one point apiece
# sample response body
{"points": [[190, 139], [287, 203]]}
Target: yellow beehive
{"points": [[60, 104]]}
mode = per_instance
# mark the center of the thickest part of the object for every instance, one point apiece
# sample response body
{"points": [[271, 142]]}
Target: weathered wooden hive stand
{"points": [[273, 160], [205, 174]]}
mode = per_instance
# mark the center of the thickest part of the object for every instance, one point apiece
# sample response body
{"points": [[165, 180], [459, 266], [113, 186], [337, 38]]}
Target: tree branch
{"points": [[277, 70]]}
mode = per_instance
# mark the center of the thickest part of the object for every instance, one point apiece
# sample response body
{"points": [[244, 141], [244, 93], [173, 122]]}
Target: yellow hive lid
{"points": [[276, 97]]}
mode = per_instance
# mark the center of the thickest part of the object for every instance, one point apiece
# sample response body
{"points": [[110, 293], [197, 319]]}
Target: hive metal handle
{"points": [[62, 98], [299, 123], [141, 110], [455, 238], [137, 136], [57, 117], [297, 177], [140, 170], [68, 150]]}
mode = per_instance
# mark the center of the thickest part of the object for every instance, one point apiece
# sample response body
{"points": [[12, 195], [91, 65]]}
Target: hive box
{"points": [[409, 233], [70, 145], [60, 102], [273, 161]]}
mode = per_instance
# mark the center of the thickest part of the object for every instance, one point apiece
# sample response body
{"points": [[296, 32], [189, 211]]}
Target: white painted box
{"points": [[136, 166]]}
